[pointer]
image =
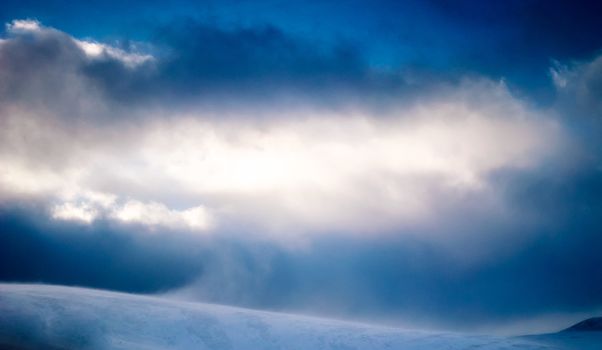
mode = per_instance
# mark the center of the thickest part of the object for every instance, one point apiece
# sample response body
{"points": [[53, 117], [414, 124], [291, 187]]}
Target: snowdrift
{"points": [[42, 316]]}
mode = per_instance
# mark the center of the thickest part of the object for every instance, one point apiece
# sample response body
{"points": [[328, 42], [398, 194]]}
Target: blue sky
{"points": [[428, 163]]}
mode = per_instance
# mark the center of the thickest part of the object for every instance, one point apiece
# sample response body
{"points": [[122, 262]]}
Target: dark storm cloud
{"points": [[202, 54], [197, 60], [35, 249], [192, 61]]}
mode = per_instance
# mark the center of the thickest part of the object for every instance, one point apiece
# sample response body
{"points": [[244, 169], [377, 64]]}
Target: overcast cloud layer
{"points": [[251, 165]]}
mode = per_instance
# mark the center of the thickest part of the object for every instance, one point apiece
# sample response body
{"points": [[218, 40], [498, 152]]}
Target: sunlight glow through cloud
{"points": [[311, 172]]}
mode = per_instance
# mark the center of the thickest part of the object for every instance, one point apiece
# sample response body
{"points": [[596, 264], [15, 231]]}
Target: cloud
{"points": [[348, 167], [95, 50], [195, 218], [92, 49], [580, 88], [135, 212], [312, 170], [23, 26], [37, 248], [70, 211], [238, 53]]}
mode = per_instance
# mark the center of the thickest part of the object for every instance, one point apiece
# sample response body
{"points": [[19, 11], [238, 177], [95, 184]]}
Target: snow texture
{"points": [[53, 317]]}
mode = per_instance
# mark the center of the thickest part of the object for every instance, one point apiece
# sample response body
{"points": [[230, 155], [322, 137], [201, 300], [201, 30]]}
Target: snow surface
{"points": [[35, 316]]}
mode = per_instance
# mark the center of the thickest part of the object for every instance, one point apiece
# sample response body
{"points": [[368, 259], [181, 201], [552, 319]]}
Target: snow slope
{"points": [[34, 316]]}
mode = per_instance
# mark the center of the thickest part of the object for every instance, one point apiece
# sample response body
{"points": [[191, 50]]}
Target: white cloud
{"points": [[310, 170], [150, 214], [92, 49], [23, 26], [96, 50], [74, 212], [157, 214]]}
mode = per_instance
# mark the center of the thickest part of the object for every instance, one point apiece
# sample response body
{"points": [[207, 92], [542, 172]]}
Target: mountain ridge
{"points": [[593, 324]]}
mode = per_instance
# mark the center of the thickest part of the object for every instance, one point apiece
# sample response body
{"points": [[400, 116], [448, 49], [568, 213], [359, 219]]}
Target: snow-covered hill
{"points": [[35, 316]]}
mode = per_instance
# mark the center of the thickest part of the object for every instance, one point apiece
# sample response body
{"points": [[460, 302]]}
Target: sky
{"points": [[434, 164]]}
